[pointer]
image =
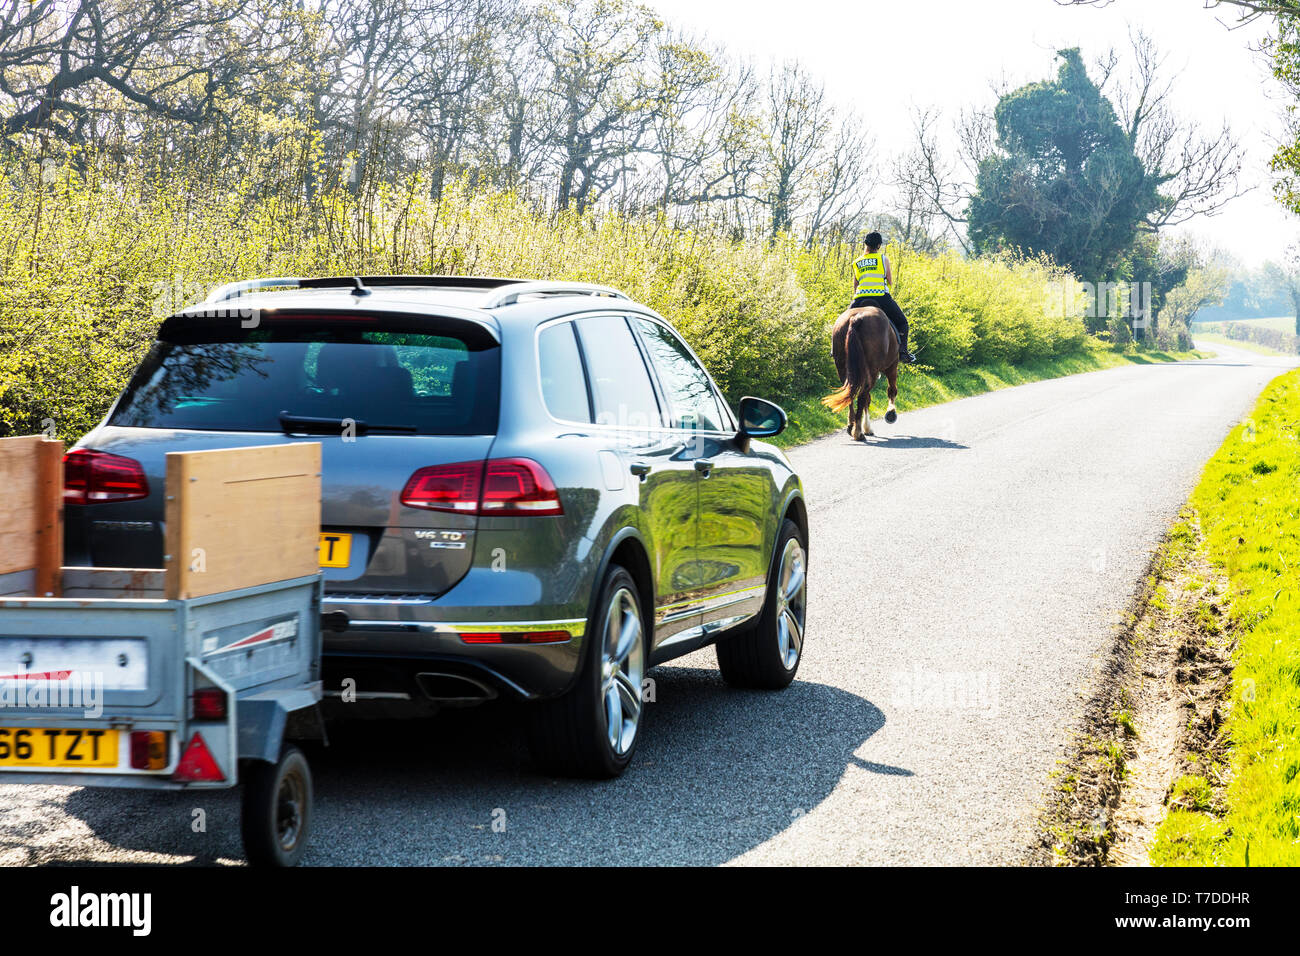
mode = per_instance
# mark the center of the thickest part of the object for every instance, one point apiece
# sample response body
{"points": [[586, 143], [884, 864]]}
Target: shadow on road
{"points": [[717, 772], [906, 441]]}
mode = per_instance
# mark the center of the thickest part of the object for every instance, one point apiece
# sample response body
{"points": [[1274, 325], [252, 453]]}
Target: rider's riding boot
{"points": [[904, 356]]}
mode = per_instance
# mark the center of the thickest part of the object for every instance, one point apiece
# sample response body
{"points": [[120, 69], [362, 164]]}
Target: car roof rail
{"points": [[512, 293], [500, 291], [233, 290]]}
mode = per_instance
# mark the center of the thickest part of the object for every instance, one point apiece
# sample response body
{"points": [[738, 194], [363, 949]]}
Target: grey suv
{"points": [[530, 489]]}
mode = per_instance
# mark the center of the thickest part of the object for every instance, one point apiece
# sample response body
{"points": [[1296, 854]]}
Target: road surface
{"points": [[968, 568]]}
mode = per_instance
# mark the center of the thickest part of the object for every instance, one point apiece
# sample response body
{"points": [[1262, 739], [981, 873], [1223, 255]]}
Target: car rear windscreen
{"points": [[305, 375]]}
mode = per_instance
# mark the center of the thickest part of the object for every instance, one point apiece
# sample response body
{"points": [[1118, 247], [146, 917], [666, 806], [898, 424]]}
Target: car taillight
{"points": [[502, 486], [209, 703], [518, 486], [94, 476], [445, 487]]}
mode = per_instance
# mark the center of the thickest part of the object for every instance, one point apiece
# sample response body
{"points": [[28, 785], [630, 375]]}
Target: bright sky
{"points": [[948, 53]]}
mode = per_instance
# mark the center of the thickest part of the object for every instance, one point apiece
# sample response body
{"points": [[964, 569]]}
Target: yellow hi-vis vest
{"points": [[869, 274]]}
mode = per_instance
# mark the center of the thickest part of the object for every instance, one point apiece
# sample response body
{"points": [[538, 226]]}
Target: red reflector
{"points": [[148, 749], [517, 637], [502, 486], [209, 703], [93, 476], [197, 763], [546, 637]]}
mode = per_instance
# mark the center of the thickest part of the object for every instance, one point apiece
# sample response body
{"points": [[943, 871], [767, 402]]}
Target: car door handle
{"points": [[641, 469], [703, 466]]}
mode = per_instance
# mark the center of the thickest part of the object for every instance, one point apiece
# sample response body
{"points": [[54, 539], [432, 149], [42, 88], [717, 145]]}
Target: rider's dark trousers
{"points": [[886, 304]]}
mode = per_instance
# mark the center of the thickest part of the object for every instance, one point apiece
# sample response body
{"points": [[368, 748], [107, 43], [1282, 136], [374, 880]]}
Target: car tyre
{"points": [[766, 655], [592, 731]]}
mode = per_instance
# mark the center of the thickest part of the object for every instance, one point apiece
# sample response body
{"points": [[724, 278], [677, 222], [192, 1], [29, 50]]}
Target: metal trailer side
{"points": [[133, 663]]}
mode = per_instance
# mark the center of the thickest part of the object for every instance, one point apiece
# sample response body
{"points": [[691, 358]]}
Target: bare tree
{"points": [[800, 123], [448, 93], [705, 143], [1245, 10], [595, 53], [1198, 170], [936, 187], [173, 59], [841, 183], [524, 121]]}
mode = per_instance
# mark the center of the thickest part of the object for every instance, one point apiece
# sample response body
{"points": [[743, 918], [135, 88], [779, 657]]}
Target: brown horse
{"points": [[866, 347]]}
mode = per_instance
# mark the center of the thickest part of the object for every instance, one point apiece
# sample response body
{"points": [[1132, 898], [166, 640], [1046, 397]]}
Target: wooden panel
{"points": [[31, 508], [49, 530], [240, 517], [113, 582]]}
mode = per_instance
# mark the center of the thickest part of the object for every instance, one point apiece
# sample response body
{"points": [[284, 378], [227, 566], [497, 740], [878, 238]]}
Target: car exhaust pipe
{"points": [[453, 688]]}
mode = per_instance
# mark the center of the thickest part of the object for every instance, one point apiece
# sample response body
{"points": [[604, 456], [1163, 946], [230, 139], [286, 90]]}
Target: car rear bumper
{"points": [[445, 661]]}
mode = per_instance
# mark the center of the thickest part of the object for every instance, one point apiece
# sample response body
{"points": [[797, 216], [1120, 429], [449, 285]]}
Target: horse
{"points": [[865, 346]]}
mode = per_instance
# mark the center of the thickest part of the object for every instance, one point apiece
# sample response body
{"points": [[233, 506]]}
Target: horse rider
{"points": [[872, 279]]}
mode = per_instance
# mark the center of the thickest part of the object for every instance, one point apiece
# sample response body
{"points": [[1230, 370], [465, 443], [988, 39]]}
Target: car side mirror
{"points": [[760, 418]]}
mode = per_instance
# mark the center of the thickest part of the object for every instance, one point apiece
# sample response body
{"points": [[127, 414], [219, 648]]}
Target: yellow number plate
{"points": [[57, 747], [335, 549]]}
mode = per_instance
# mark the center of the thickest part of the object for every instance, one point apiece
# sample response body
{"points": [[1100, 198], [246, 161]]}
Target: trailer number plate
{"points": [[57, 747], [335, 549]]}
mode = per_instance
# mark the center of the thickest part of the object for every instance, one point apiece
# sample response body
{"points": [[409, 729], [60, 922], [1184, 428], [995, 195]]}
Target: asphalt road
{"points": [[968, 567]]}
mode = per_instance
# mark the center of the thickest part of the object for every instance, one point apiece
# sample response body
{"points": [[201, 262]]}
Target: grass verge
{"points": [[1189, 751], [1155, 711], [1218, 339], [1250, 516], [919, 386]]}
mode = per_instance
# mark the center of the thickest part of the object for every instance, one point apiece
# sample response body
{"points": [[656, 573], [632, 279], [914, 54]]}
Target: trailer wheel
{"points": [[277, 809]]}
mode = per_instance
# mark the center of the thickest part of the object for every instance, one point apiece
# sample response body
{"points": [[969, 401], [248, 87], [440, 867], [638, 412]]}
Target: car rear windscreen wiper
{"points": [[306, 424]]}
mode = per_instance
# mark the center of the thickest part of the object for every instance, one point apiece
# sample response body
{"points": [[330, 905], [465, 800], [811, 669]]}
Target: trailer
{"points": [[202, 674]]}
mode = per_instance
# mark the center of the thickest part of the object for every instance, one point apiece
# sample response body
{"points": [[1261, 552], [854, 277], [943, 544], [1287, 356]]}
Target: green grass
{"points": [[919, 387], [1191, 792], [1281, 323], [1187, 838], [1242, 344], [1250, 514]]}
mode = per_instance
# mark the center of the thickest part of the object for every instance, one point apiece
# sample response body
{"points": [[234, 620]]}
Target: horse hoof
{"points": [[891, 416]]}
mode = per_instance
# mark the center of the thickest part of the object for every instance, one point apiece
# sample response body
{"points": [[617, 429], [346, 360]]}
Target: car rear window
{"points": [[307, 376]]}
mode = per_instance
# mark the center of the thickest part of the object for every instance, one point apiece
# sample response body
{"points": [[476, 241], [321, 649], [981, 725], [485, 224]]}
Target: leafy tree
{"points": [[1161, 266], [1285, 277], [1203, 286], [1064, 178]]}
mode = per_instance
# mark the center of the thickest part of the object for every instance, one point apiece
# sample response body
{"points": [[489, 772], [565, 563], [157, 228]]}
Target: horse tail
{"points": [[855, 367]]}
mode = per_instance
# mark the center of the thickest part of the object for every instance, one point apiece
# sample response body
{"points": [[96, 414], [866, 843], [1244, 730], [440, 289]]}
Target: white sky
{"points": [[947, 54]]}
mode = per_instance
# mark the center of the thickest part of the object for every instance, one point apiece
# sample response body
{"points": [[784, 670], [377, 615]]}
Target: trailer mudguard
{"points": [[264, 720]]}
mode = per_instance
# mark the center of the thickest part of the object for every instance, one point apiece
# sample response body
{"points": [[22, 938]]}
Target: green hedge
{"points": [[91, 265]]}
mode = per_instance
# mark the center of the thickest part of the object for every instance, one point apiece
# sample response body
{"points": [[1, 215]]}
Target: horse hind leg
{"points": [[891, 413], [855, 420], [865, 427]]}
